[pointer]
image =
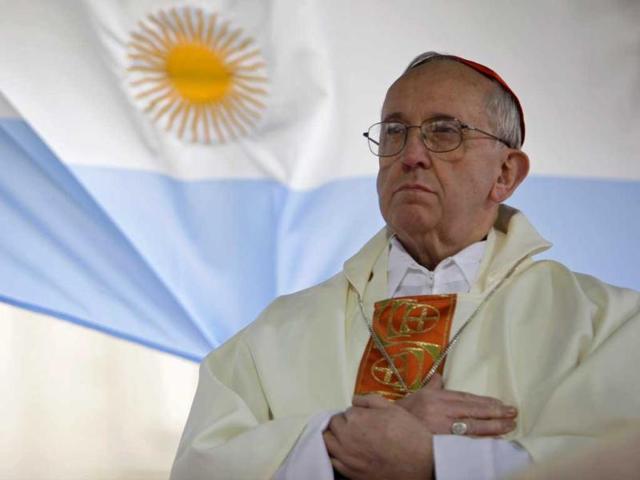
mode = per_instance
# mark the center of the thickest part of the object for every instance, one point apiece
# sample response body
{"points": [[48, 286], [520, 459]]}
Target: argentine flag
{"points": [[171, 167]]}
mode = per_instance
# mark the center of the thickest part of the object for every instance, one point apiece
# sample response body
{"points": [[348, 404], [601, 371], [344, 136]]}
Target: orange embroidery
{"points": [[413, 330]]}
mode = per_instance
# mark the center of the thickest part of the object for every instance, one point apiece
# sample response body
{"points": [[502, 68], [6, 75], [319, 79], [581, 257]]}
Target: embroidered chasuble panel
{"points": [[413, 330]]}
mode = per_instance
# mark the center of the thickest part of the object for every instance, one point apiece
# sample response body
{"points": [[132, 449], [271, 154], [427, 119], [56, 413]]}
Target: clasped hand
{"points": [[377, 439]]}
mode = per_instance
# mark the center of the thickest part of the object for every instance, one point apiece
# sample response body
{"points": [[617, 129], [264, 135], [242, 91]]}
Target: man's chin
{"points": [[413, 222]]}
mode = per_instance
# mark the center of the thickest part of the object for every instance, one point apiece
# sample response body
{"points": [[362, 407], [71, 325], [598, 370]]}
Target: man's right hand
{"points": [[439, 409]]}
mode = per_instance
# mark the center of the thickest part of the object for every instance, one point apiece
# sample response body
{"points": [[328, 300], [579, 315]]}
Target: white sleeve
{"points": [[455, 457], [462, 458], [309, 458]]}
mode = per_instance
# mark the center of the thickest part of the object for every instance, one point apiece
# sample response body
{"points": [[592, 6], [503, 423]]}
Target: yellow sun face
{"points": [[195, 73], [198, 74]]}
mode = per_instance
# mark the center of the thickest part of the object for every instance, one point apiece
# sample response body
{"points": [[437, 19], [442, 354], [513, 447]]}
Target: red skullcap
{"points": [[486, 71]]}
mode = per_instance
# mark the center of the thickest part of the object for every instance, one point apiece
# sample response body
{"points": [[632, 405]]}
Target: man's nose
{"points": [[415, 152]]}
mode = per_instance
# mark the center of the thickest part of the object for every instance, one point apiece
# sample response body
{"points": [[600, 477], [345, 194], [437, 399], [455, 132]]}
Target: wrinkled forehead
{"points": [[439, 87]]}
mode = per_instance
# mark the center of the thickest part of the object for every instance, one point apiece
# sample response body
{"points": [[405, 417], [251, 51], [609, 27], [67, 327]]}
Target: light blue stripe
{"points": [[227, 248], [62, 253], [594, 224], [215, 252], [181, 266]]}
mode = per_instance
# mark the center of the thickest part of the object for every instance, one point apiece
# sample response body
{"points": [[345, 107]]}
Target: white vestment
{"points": [[560, 346]]}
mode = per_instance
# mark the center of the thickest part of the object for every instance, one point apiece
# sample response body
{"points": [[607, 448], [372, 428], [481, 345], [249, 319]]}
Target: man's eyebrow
{"points": [[398, 116], [441, 116], [393, 116]]}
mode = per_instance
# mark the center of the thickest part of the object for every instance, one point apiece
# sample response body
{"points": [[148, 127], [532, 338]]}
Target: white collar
{"points": [[454, 274]]}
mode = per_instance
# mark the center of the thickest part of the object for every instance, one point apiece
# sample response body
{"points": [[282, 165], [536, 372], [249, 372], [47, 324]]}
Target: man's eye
{"points": [[443, 127], [394, 129]]}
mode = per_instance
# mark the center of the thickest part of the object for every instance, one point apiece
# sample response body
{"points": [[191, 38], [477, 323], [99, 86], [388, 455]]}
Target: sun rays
{"points": [[197, 76]]}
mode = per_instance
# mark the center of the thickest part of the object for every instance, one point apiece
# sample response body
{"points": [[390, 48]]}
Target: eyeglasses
{"points": [[439, 135]]}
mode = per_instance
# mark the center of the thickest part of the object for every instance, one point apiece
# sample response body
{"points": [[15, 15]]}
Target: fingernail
{"points": [[512, 411]]}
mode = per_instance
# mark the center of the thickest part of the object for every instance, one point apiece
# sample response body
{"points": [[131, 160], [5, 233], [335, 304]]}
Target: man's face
{"points": [[421, 192]]}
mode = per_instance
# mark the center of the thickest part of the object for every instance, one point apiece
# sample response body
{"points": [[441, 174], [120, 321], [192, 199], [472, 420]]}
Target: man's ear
{"points": [[514, 169]]}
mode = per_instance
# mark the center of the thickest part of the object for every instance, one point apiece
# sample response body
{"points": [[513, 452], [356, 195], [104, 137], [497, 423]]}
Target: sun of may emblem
{"points": [[203, 79]]}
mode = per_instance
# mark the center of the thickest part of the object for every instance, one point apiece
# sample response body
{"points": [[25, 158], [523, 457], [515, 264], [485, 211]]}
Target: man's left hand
{"points": [[376, 439]]}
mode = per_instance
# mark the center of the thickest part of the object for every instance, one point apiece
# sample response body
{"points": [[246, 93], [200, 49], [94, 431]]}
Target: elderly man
{"points": [[442, 347]]}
